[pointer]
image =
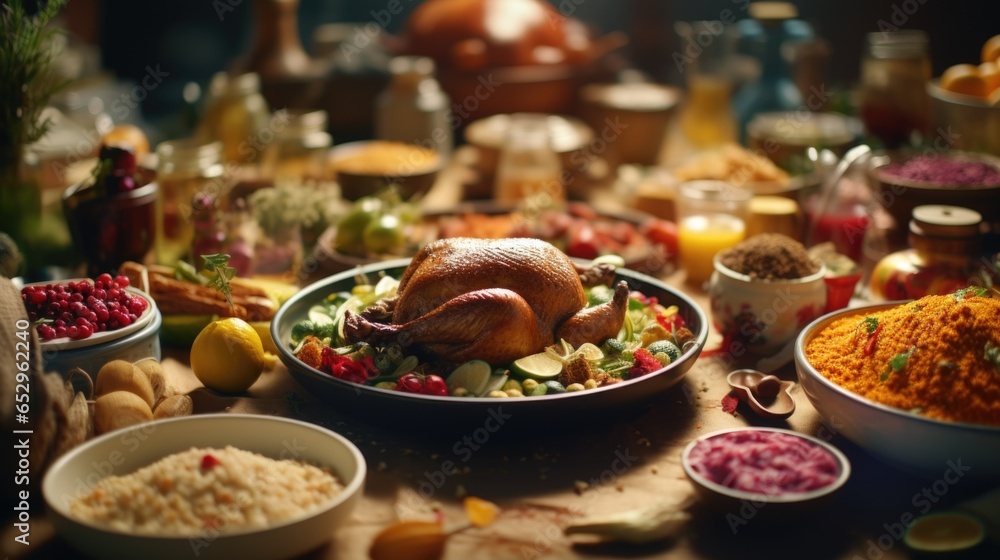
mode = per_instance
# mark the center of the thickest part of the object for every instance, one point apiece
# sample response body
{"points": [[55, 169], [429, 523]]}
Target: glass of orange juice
{"points": [[712, 216]]}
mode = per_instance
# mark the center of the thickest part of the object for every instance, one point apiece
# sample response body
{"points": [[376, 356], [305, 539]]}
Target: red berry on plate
{"points": [[410, 383], [122, 281], [435, 385], [138, 305]]}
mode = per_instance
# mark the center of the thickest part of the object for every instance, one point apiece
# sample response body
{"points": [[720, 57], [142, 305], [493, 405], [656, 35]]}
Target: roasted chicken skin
{"points": [[491, 299]]}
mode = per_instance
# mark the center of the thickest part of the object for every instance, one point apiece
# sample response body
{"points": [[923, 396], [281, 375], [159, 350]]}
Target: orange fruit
{"points": [[990, 73], [991, 49], [128, 135], [964, 78]]}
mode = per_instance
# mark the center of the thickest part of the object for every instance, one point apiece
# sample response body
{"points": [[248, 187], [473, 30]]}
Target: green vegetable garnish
{"points": [[897, 363], [870, 324], [302, 329], [971, 291], [992, 355], [219, 264]]}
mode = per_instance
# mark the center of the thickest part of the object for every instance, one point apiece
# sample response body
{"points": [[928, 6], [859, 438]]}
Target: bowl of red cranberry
{"points": [[111, 216], [88, 322]]}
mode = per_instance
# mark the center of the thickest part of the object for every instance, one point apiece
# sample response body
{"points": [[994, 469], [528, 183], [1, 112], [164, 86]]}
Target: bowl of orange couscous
{"points": [[916, 383]]}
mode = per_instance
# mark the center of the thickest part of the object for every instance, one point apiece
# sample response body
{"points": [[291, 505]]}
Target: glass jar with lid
{"points": [[299, 147], [945, 245], [186, 169], [895, 69], [528, 167], [413, 108], [237, 115]]}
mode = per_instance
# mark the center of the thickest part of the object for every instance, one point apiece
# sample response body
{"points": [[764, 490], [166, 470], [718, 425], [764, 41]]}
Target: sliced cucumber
{"points": [[473, 376], [320, 315], [495, 383]]}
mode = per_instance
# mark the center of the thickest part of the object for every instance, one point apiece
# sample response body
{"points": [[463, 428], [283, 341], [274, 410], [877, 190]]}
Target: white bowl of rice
{"points": [[206, 486]]}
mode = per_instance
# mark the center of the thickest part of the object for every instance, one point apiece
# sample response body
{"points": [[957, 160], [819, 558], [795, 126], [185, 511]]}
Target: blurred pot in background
{"points": [[528, 50]]}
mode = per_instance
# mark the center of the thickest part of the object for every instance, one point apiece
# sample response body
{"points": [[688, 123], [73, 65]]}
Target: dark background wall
{"points": [[194, 38]]}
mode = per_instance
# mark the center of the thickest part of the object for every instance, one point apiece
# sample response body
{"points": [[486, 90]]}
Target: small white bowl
{"points": [[730, 499], [132, 343], [765, 315], [124, 451]]}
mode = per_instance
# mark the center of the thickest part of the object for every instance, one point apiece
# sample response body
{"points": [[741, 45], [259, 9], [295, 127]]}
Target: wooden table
{"points": [[546, 480]]}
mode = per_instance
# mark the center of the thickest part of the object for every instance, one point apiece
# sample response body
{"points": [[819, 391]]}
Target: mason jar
{"points": [[186, 169]]}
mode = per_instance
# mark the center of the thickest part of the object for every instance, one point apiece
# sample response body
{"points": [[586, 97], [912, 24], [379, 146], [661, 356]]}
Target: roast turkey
{"points": [[491, 299]]}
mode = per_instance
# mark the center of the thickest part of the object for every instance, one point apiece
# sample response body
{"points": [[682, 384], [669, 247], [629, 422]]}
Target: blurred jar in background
{"points": [[299, 148], [893, 99], [187, 169], [707, 119], [236, 115], [413, 108], [528, 167]]}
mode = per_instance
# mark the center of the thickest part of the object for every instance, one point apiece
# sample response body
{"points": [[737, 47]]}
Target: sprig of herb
{"points": [[971, 291], [219, 265], [992, 354], [897, 364], [26, 76], [870, 324]]}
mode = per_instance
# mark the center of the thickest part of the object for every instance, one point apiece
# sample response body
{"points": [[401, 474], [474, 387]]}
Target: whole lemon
{"points": [[228, 355]]}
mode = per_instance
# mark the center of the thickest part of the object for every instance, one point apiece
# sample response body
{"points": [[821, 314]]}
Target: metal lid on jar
{"points": [[901, 44], [938, 220]]}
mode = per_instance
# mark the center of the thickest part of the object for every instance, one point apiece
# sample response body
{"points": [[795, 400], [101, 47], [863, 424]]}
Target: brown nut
{"points": [[157, 378], [120, 409], [119, 375], [177, 405]]}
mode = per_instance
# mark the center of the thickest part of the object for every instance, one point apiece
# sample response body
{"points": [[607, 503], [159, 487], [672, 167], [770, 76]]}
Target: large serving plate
{"points": [[451, 415], [914, 443]]}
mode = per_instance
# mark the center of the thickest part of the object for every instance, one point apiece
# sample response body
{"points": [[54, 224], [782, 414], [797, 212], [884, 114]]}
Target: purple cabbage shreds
{"points": [[945, 171]]}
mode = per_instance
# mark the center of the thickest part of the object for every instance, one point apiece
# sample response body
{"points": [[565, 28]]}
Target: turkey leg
{"points": [[598, 323], [495, 325]]}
